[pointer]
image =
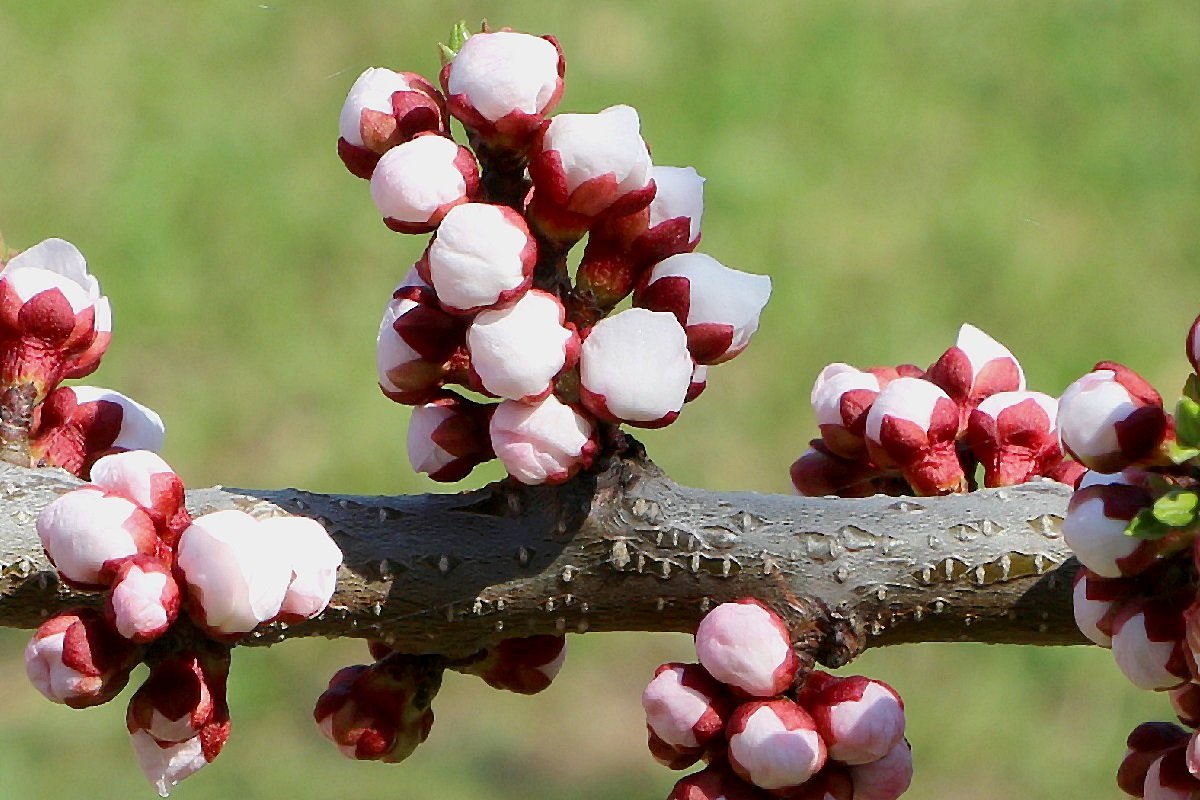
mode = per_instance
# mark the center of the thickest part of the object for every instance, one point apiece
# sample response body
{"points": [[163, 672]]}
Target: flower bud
{"points": [[1014, 436], [1096, 601], [1111, 418], [1147, 641], [821, 473], [74, 658], [635, 367], [416, 183], [1169, 778], [1097, 517], [912, 426], [448, 437], [1145, 744], [774, 744], [525, 665], [545, 442], [675, 214], [719, 307], [517, 351], [746, 645], [482, 256], [501, 85], [78, 424], [885, 779], [144, 478], [416, 339], [859, 719], [716, 782], [83, 530], [977, 366], [686, 711], [314, 559], [841, 397], [144, 599], [384, 109]]}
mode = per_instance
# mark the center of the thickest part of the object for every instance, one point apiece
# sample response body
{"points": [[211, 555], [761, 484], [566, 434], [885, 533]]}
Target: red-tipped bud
{"points": [[86, 529], [1111, 418], [686, 709], [774, 744], [820, 473], [859, 719], [144, 600], [841, 397], [912, 426], [416, 338], [448, 437], [885, 779], [544, 442], [382, 110], [517, 351], [746, 645], [977, 366], [144, 478], [1148, 641], [481, 257], [526, 665], [416, 183], [1143, 747], [76, 659], [1014, 436], [78, 424], [1169, 778], [1097, 517], [1096, 601]]}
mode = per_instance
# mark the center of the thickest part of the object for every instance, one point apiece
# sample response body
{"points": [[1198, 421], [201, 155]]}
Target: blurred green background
{"points": [[896, 167]]}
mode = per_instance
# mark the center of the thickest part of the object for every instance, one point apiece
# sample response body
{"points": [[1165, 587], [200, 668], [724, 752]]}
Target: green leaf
{"points": [[1181, 455], [458, 37], [1187, 421], [1191, 389], [1145, 526], [1176, 509]]}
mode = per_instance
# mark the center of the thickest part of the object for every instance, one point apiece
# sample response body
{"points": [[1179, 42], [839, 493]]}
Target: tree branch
{"points": [[627, 549]]}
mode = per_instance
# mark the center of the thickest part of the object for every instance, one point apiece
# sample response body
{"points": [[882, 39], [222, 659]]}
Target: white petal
{"points": [[166, 767], [141, 427], [477, 256], [131, 475], [909, 399], [60, 257], [638, 361], [416, 179], [516, 351], [84, 528], [679, 192], [538, 442], [503, 72], [592, 145]]}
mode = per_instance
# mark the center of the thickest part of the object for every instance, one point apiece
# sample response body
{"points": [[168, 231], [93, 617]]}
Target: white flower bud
{"points": [[544, 442], [482, 256], [517, 351], [416, 183]]}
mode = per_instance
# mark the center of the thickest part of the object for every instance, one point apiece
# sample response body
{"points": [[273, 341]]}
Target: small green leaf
{"points": [[1177, 508], [1181, 455], [1145, 526], [1191, 389], [458, 37], [1187, 422]]}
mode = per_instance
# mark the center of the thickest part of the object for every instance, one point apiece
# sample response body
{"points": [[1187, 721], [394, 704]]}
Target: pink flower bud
{"points": [[1185, 700], [482, 256], [382, 110], [517, 351], [1147, 641], [635, 367], [448, 437], [1193, 345], [841, 397], [747, 646], [85, 529], [235, 575], [76, 659], [774, 744], [719, 307], [912, 425], [545, 442], [144, 599], [48, 317], [1014, 436], [502, 85], [1111, 418], [885, 779], [859, 719], [144, 478], [716, 782], [314, 559], [416, 183], [1146, 743], [78, 424], [977, 366], [818, 472], [686, 710], [1096, 601], [1097, 516], [1169, 778], [416, 339], [525, 665], [183, 697]]}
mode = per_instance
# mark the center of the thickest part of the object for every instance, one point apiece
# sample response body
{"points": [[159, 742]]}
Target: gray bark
{"points": [[627, 549]]}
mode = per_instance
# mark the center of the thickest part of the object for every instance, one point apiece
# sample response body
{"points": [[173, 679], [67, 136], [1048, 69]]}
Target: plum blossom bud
{"points": [[841, 397], [675, 214], [1147, 641], [78, 424], [144, 599], [144, 478], [1111, 418], [1169, 778], [314, 559], [1014, 436], [686, 711], [517, 351], [416, 183], [1185, 700], [51, 312], [525, 665], [912, 426], [774, 744], [885, 779], [545, 442], [416, 340], [382, 110], [1097, 517], [859, 719], [635, 367], [587, 165], [236, 576], [502, 85], [448, 437], [977, 366], [716, 782], [83, 530], [74, 658], [1145, 744], [1193, 345], [482, 256], [719, 307], [1096, 601], [746, 645]]}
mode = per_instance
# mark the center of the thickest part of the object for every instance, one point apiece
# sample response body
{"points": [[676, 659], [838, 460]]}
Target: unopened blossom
{"points": [[1096, 601], [686, 710], [147, 480], [774, 744], [841, 396], [416, 340], [482, 256], [819, 472], [859, 719], [912, 426], [144, 599], [448, 437], [382, 110], [86, 530], [746, 645], [1014, 436], [1144, 745], [885, 779], [1169, 778], [78, 424], [716, 782], [1094, 528], [313, 558], [543, 442], [1111, 418], [977, 366], [76, 659], [1148, 641], [502, 85], [416, 183], [517, 351], [525, 665], [1193, 345], [719, 307], [635, 367]]}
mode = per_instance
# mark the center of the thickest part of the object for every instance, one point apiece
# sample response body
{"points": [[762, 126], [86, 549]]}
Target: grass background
{"points": [[897, 167]]}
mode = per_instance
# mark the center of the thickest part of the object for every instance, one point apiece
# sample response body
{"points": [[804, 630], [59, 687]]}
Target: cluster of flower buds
{"points": [[767, 729], [903, 430], [1132, 523], [382, 711], [490, 306], [215, 578]]}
